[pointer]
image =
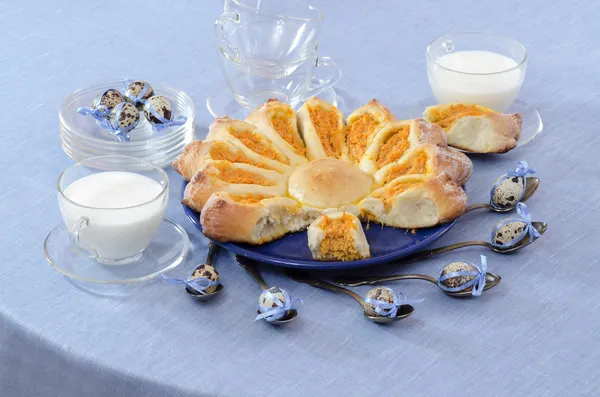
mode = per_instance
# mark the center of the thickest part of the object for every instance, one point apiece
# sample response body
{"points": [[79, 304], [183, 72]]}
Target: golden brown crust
{"points": [[224, 219], [324, 137], [328, 182], [255, 145], [277, 121], [430, 160], [208, 181], [488, 132], [197, 153], [425, 201], [362, 125]]}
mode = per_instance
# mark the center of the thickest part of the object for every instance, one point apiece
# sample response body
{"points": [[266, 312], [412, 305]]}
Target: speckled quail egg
{"points": [[455, 282], [383, 294], [508, 192], [265, 302], [208, 272], [133, 90], [161, 105], [509, 233], [124, 117], [109, 98]]}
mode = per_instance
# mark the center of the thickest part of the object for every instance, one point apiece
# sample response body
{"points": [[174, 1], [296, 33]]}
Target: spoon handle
{"points": [[477, 206], [435, 251], [213, 249], [336, 288], [252, 270], [350, 281]]}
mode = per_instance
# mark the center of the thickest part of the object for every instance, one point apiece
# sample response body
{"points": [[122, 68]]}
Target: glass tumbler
{"points": [[476, 68]]}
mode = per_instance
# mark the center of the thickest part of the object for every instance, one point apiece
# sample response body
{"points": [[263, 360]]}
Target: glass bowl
{"points": [[81, 137]]}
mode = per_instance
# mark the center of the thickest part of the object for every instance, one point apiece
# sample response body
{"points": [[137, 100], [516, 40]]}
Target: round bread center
{"points": [[329, 183]]}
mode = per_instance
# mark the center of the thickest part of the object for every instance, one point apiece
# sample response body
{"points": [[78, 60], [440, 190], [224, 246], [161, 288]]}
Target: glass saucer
{"points": [[165, 252], [532, 121], [220, 102]]}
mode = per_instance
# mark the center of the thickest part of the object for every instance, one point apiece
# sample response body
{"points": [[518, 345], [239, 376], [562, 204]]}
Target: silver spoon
{"points": [[213, 249], [530, 187], [251, 269], [524, 242], [305, 278], [491, 280]]}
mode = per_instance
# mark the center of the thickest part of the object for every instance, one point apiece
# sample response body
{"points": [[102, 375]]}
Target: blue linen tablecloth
{"points": [[537, 334]]}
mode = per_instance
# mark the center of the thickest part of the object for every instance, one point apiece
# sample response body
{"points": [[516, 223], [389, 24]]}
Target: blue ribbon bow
{"points": [[523, 211], [277, 312], [387, 309], [139, 99], [200, 284], [98, 113], [522, 171], [478, 282], [165, 123]]}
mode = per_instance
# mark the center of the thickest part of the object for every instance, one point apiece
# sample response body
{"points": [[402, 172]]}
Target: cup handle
{"points": [[224, 19], [81, 224], [336, 75]]}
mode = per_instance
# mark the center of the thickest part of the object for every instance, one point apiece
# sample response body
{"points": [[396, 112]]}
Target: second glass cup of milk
{"points": [[112, 206], [476, 68]]}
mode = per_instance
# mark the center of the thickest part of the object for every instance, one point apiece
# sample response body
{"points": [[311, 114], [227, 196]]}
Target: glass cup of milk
{"points": [[476, 68], [112, 206]]}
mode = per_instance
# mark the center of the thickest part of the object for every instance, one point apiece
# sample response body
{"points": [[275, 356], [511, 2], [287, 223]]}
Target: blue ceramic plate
{"points": [[387, 244]]}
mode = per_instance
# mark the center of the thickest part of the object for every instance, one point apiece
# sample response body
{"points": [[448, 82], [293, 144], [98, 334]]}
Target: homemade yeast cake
{"points": [[279, 171], [476, 128], [337, 236]]}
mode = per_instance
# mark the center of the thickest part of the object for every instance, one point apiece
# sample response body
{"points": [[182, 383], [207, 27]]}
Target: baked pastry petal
{"points": [[476, 128], [398, 137], [253, 219], [429, 160], [256, 146], [337, 236], [362, 125], [322, 127], [415, 201], [225, 176], [197, 153], [277, 121]]}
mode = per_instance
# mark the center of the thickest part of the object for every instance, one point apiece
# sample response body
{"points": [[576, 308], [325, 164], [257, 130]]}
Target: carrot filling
{"points": [[223, 151], [446, 118], [394, 147], [230, 174], [392, 190], [339, 241], [258, 144], [282, 123], [358, 134], [328, 129], [418, 165], [248, 199]]}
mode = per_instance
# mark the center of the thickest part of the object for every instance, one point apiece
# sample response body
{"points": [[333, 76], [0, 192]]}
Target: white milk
{"points": [[115, 232], [496, 91]]}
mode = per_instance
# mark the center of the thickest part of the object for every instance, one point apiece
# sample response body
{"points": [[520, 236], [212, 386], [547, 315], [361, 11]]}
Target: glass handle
{"points": [[81, 224], [336, 75], [220, 29]]}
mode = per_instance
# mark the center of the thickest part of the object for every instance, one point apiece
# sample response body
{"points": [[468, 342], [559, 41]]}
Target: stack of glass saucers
{"points": [[82, 138]]}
